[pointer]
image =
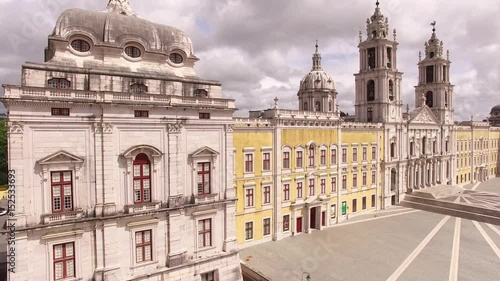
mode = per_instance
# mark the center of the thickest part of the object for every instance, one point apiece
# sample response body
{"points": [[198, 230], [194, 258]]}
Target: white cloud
{"points": [[261, 49]]}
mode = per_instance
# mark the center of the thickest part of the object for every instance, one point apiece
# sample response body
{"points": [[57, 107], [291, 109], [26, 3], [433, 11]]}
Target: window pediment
{"points": [[60, 157], [204, 152], [138, 149]]}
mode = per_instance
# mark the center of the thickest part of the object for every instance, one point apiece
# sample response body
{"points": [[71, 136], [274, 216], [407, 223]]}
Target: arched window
{"points": [[138, 88], [370, 90], [305, 106], [330, 106], [317, 106], [393, 150], [142, 179], [374, 34], [412, 148], [394, 177], [446, 99], [424, 142], [59, 83], [391, 90], [429, 99]]}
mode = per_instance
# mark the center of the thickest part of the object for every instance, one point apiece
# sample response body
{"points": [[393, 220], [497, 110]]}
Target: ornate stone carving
{"points": [[16, 127], [106, 128], [121, 7], [423, 117], [175, 127], [229, 128]]}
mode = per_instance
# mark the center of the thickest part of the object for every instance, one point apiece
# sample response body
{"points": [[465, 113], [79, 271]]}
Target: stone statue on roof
{"points": [[121, 7]]}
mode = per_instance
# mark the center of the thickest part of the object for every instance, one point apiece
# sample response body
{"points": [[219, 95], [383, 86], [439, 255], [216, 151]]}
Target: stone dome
{"points": [[495, 110], [317, 80], [118, 25]]}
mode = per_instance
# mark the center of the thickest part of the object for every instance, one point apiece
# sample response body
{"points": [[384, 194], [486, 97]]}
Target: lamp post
{"points": [[308, 276]]}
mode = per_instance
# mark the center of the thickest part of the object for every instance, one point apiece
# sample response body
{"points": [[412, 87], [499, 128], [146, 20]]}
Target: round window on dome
{"points": [[80, 45], [176, 58], [132, 52]]}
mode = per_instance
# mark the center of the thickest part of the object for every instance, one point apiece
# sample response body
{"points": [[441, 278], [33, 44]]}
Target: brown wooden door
{"points": [[323, 218]]}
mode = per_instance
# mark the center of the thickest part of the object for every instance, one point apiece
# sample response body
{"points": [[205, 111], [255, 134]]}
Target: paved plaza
{"points": [[397, 244]]}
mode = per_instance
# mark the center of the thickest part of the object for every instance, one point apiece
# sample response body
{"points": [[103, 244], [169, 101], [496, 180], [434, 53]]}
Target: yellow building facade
{"points": [[297, 174]]}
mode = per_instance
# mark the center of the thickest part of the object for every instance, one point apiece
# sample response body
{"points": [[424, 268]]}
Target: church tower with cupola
{"points": [[378, 83], [317, 89], [434, 80]]}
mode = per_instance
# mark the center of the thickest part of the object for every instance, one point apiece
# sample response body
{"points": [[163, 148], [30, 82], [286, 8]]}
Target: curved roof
{"points": [[317, 80], [495, 109], [118, 25]]}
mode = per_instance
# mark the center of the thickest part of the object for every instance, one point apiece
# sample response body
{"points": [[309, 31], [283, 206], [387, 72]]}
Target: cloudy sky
{"points": [[260, 49]]}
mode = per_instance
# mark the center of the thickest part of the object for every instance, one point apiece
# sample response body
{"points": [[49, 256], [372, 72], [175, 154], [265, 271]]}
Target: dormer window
{"points": [[138, 88], [132, 52], [80, 45], [176, 58], [200, 93], [59, 83]]}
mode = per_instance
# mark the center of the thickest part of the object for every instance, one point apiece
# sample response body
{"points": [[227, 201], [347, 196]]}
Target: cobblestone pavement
{"points": [[397, 244]]}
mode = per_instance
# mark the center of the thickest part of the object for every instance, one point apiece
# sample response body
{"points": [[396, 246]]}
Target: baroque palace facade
{"points": [[128, 166], [302, 170], [121, 155]]}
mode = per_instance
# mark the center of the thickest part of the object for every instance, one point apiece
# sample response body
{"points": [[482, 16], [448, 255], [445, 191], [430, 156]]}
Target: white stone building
{"points": [[419, 151], [120, 153]]}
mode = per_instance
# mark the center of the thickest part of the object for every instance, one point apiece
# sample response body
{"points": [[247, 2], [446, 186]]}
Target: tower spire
{"points": [[317, 59], [377, 3], [433, 26]]}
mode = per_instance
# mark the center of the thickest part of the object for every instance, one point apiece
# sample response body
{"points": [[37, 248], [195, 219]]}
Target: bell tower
{"points": [[378, 83], [434, 79]]}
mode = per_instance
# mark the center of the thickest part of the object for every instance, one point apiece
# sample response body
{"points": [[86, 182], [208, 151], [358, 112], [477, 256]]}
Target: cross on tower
{"points": [[433, 26], [377, 3]]}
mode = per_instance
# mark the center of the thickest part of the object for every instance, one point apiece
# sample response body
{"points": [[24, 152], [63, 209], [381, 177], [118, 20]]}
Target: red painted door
{"points": [[312, 220], [323, 218], [299, 225]]}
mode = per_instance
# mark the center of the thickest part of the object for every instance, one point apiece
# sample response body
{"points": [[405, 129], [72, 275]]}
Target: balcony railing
{"points": [[18, 92], [52, 218]]}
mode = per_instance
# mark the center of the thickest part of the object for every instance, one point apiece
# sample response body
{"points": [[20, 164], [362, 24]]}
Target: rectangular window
{"points": [[209, 276], [344, 155], [59, 83], [267, 227], [364, 153], [142, 179], [333, 159], [286, 223], [369, 115], [363, 205], [64, 261], [204, 115], [266, 161], [143, 246], [429, 70], [205, 233], [286, 160], [299, 159], [344, 182], [374, 177], [60, 111], [141, 113], [322, 157], [323, 186], [311, 156], [434, 147], [248, 230], [286, 192], [204, 187], [311, 187], [354, 154], [334, 184], [267, 194], [299, 190], [333, 211], [354, 181], [62, 191], [248, 163], [374, 153], [249, 197], [364, 178], [354, 205], [412, 149], [373, 201]]}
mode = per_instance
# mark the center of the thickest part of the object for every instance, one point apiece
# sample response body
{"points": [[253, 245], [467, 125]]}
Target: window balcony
{"points": [[205, 198], [142, 207], [58, 217]]}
